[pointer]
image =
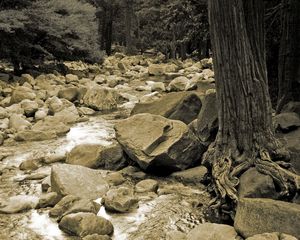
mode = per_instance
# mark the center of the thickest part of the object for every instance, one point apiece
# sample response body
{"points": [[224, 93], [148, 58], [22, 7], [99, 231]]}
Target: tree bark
{"points": [[289, 54], [245, 137]]}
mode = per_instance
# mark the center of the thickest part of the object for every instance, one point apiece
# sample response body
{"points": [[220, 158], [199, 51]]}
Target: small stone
{"points": [[30, 164], [115, 179], [147, 185], [119, 200], [48, 200], [84, 224]]}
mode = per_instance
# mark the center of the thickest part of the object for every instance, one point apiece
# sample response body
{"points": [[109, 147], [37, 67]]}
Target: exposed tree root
{"points": [[226, 170]]}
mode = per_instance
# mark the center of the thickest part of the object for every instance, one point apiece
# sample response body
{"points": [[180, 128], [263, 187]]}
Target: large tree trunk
{"points": [[289, 54], [245, 137]]}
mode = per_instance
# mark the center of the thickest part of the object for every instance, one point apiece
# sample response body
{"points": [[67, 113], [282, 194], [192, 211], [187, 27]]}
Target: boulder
{"points": [[286, 122], [156, 86], [30, 164], [70, 93], [84, 224], [256, 185], [30, 107], [145, 186], [49, 125], [41, 114], [21, 93], [176, 235], [272, 236], [101, 99], [96, 155], [97, 237], [156, 69], [119, 200], [212, 231], [155, 142], [261, 215], [292, 107], [178, 84], [55, 105], [71, 78], [17, 122], [194, 175], [78, 181], [18, 204], [4, 123], [115, 178], [178, 106], [3, 113], [48, 200], [206, 125]]}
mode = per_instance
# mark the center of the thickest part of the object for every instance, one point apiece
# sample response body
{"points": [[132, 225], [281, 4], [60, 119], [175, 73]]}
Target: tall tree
{"points": [[289, 54], [245, 137], [128, 25]]}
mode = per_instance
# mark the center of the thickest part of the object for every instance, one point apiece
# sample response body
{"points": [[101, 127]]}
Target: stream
{"points": [[155, 216]]}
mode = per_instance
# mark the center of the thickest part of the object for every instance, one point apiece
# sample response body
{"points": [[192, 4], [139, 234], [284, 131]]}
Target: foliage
{"points": [[52, 29]]}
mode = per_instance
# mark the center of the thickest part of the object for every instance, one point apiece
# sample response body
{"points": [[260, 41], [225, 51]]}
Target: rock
{"points": [[194, 175], [4, 123], [70, 93], [84, 224], [115, 178], [51, 124], [101, 99], [260, 215], [1, 138], [272, 236], [151, 97], [286, 122], [28, 79], [18, 204], [48, 200], [97, 237], [30, 107], [46, 184], [111, 157], [256, 185], [71, 78], [86, 111], [15, 109], [30, 164], [68, 115], [86, 155], [206, 125], [155, 142], [4, 77], [55, 105], [178, 84], [81, 205], [35, 135], [292, 107], [119, 200], [156, 86], [41, 114], [17, 122], [212, 231], [291, 141], [63, 205], [176, 235], [3, 113], [95, 156], [156, 69], [78, 181], [21, 93], [147, 185], [178, 106]]}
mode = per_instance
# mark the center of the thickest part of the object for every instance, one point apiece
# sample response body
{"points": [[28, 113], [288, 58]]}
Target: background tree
{"points": [[289, 55], [245, 137], [39, 30]]}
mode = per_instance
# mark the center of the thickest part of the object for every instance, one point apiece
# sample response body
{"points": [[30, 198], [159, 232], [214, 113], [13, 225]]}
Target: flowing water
{"points": [[151, 220]]}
